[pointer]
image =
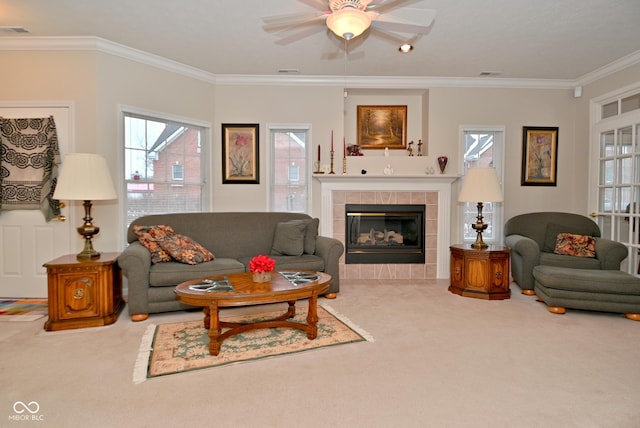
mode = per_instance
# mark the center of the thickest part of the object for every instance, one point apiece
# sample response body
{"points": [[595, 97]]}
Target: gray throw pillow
{"points": [[289, 238], [310, 235]]}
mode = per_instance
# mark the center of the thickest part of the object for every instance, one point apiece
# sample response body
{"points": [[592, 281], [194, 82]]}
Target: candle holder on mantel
{"points": [[344, 165], [318, 170], [332, 152]]}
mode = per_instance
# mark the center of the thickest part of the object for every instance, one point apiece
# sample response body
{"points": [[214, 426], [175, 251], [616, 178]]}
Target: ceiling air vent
{"points": [[19, 30], [490, 73]]}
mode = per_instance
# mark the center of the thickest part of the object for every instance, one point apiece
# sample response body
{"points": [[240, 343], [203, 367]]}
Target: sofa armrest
{"points": [[135, 262], [330, 249], [610, 253], [525, 255]]}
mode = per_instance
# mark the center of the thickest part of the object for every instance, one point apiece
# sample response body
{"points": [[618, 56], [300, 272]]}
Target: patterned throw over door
{"points": [[29, 165]]}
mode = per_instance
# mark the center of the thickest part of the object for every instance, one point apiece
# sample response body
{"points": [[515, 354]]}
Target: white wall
{"points": [[97, 83]]}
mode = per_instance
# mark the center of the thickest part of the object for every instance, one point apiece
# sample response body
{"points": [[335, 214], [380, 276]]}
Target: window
{"points": [[290, 174], [177, 172], [482, 147], [163, 166]]}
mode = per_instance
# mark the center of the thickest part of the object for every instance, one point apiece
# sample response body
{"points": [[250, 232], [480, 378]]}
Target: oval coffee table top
{"points": [[284, 286]]}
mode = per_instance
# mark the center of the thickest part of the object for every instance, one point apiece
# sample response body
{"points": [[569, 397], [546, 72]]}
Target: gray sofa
{"points": [[531, 238], [234, 238]]}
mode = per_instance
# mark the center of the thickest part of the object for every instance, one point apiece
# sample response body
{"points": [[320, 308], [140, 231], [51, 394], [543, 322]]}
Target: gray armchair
{"points": [[532, 236]]}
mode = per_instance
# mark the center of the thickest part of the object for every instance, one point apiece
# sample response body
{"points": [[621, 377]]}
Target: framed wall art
{"points": [[539, 156], [240, 154], [381, 127]]}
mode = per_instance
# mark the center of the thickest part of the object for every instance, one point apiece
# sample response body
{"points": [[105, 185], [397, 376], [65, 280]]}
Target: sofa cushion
{"points": [[303, 262], [575, 245], [173, 273], [553, 229], [148, 236], [289, 238], [559, 260], [184, 249]]}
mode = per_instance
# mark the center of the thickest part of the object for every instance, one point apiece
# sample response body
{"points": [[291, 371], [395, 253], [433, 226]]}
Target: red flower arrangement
{"points": [[262, 263]]}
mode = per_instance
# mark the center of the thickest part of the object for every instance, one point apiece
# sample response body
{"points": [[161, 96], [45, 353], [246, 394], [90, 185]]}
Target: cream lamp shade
{"points": [[480, 185], [85, 177]]}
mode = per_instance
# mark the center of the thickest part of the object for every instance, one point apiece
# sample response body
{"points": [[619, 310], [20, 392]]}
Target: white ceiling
{"points": [[520, 39]]}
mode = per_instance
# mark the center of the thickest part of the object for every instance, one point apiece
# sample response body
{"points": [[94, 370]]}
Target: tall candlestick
{"points": [[344, 148], [318, 153], [332, 140]]}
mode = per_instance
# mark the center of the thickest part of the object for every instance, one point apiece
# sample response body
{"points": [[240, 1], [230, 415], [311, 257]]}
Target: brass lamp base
{"points": [[479, 227], [87, 230]]}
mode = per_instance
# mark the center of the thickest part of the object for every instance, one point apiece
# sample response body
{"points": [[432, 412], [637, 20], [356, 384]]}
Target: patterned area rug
{"points": [[179, 347], [22, 309]]}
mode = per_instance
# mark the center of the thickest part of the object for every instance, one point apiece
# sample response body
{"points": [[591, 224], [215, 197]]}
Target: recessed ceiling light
{"points": [[405, 48]]}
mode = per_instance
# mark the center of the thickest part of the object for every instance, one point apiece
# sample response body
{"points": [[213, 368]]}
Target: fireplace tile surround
{"points": [[432, 191]]}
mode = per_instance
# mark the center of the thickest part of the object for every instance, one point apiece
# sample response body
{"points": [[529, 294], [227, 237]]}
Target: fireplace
{"points": [[381, 233]]}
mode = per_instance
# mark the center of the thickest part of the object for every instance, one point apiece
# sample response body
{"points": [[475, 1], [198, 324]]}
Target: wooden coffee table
{"points": [[283, 287]]}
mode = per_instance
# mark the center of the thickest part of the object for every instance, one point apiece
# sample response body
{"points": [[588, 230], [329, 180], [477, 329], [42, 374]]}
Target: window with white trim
{"points": [[482, 147], [290, 174], [163, 165]]}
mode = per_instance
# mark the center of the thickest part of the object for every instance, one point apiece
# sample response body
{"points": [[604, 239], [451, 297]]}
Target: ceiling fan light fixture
{"points": [[348, 22]]}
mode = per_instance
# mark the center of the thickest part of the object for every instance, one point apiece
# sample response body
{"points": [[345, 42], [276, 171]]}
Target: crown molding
{"points": [[98, 44], [378, 82], [618, 65], [390, 82]]}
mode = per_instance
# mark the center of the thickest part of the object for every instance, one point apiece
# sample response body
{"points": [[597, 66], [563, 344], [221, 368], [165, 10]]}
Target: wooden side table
{"points": [[83, 293], [480, 273]]}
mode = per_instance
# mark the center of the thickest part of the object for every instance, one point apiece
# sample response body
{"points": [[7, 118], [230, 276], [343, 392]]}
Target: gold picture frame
{"points": [[240, 153], [381, 127], [539, 155]]}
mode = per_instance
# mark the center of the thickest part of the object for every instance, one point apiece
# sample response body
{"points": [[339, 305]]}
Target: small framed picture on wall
{"points": [[240, 153], [539, 156]]}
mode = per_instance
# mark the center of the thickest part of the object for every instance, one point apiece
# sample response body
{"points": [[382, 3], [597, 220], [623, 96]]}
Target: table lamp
{"points": [[480, 185], [85, 177]]}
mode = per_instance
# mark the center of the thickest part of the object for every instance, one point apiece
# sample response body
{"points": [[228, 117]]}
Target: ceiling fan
{"points": [[350, 18]]}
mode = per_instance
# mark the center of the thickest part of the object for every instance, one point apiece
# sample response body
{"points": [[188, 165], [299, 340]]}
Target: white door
{"points": [[616, 194], [26, 239]]}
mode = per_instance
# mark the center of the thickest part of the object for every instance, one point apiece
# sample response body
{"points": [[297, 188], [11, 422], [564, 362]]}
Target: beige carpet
{"points": [[184, 346], [438, 360]]}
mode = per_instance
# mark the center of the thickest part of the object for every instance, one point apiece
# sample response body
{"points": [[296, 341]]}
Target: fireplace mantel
{"points": [[439, 183]]}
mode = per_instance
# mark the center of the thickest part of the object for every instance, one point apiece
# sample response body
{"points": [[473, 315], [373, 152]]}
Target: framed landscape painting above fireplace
{"points": [[381, 127]]}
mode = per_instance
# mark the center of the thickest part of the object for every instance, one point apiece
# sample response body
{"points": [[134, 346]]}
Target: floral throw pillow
{"points": [[149, 236], [184, 249], [575, 245]]}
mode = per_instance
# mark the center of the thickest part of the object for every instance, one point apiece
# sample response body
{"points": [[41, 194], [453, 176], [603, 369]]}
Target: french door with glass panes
{"points": [[616, 158]]}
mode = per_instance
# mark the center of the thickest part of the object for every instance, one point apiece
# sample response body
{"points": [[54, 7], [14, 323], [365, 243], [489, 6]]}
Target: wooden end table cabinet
{"points": [[83, 293], [480, 273]]}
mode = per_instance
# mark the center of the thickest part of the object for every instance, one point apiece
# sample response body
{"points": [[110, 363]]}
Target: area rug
{"points": [[179, 347], [22, 309]]}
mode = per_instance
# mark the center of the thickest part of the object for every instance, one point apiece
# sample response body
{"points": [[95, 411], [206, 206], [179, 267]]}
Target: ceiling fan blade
{"points": [[322, 5], [294, 37], [395, 39], [383, 5], [406, 21], [291, 19]]}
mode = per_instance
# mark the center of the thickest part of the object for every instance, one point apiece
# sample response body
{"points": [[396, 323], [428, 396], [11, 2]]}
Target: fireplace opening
{"points": [[378, 233]]}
